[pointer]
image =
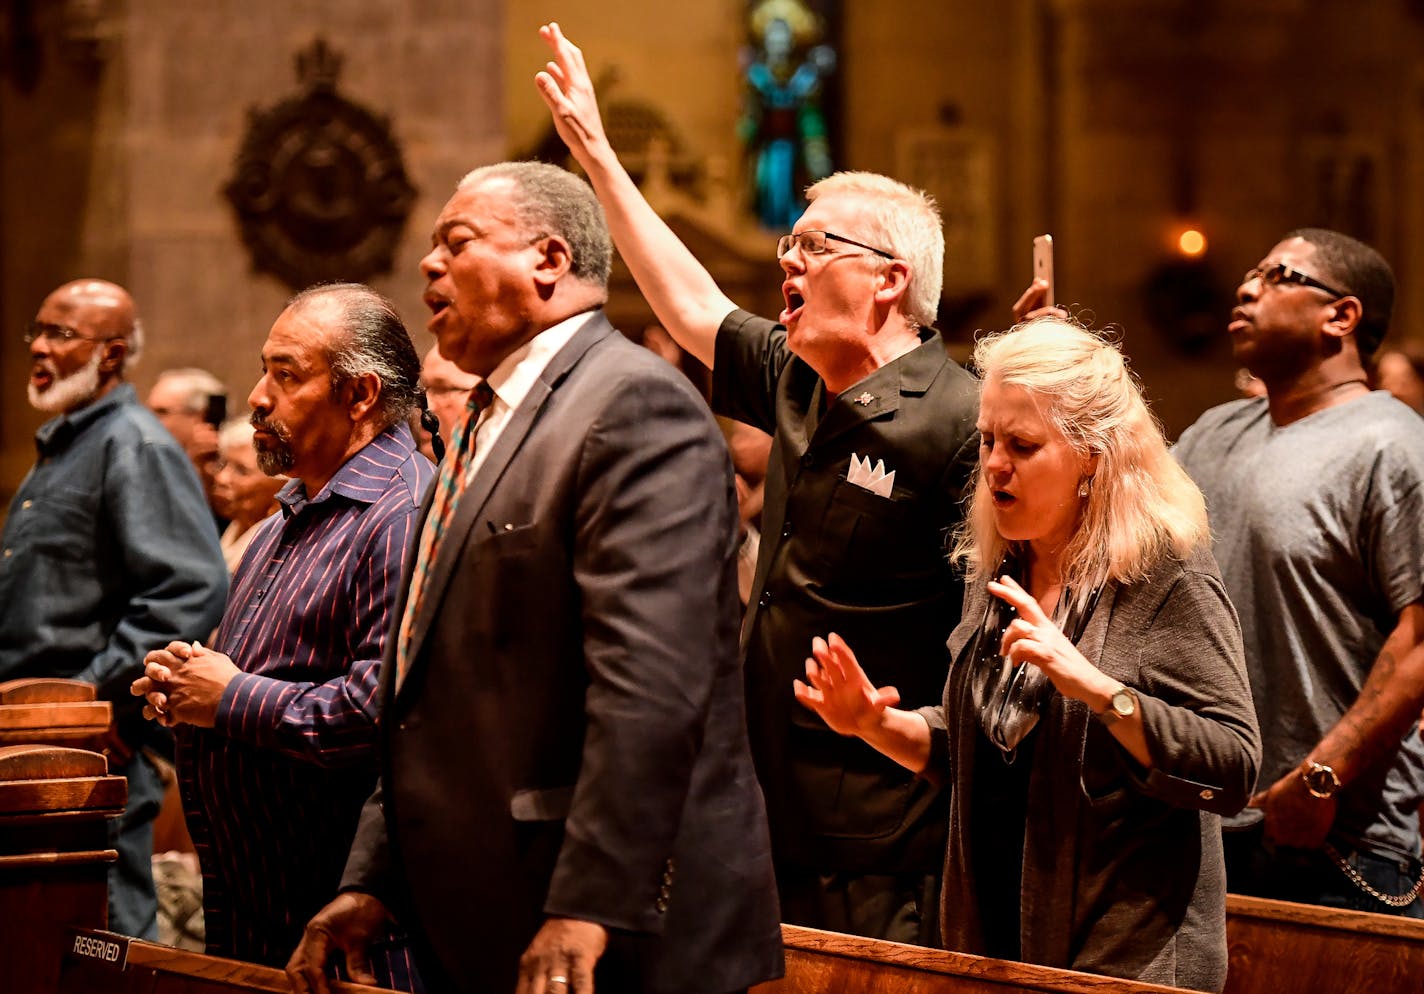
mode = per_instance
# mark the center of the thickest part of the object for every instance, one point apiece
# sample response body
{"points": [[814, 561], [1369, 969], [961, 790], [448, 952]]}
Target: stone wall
{"points": [[1110, 123], [116, 168]]}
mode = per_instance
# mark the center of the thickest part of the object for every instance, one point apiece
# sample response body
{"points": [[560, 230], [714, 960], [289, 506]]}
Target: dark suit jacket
{"points": [[571, 736]]}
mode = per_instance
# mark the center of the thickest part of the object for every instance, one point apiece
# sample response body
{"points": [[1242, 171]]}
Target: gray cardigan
{"points": [[1122, 870]]}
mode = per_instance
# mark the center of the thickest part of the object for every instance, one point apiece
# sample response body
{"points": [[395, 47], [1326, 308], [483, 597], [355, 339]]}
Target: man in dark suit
{"points": [[874, 444], [567, 792]]}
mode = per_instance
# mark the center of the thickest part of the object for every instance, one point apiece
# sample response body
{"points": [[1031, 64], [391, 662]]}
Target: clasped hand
{"points": [[183, 684]]}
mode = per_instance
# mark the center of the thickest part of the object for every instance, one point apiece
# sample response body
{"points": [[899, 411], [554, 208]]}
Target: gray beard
{"points": [[68, 392], [276, 459]]}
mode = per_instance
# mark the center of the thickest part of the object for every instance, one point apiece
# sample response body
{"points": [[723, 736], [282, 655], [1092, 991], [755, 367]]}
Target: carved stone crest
{"points": [[319, 188]]}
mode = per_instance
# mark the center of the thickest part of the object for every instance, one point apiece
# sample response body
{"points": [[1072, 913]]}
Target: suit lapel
{"points": [[504, 451]]}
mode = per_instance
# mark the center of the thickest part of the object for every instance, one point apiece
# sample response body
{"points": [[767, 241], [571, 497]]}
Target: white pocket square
{"points": [[872, 478]]}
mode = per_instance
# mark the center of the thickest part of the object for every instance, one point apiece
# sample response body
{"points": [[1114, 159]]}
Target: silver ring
{"points": [[558, 980]]}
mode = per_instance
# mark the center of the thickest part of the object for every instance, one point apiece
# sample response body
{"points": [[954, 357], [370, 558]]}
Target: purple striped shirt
{"points": [[272, 793]]}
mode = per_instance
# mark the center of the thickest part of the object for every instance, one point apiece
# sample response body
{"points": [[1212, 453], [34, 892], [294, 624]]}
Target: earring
{"points": [[1083, 486]]}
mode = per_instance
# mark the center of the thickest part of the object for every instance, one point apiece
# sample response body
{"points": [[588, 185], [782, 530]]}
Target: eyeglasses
{"points": [[1278, 273], [59, 333], [814, 243]]}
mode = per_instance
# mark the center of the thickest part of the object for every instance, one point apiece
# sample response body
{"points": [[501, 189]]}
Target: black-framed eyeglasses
{"points": [[1278, 272], [814, 243], [58, 333]]}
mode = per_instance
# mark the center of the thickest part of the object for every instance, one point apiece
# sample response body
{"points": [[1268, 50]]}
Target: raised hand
{"points": [[1033, 638], [568, 91], [838, 690], [1033, 303]]}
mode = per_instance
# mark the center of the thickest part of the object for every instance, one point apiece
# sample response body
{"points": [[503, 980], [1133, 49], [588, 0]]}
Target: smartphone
{"points": [[1043, 265], [215, 413]]}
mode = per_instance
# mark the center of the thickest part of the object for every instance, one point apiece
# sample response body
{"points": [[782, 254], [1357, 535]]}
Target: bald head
{"points": [[83, 338], [106, 309]]}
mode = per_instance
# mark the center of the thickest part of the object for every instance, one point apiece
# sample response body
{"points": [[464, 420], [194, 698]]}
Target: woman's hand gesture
{"points": [[1032, 637], [838, 690]]}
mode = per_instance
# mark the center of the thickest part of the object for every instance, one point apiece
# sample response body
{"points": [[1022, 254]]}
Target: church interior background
{"points": [[212, 155]]}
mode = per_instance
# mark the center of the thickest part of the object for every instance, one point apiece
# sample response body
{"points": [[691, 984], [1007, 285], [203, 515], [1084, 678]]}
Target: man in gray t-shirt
{"points": [[1316, 498]]}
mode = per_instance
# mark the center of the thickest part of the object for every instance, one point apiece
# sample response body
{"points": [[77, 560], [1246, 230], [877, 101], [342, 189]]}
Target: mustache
{"points": [[257, 420]]}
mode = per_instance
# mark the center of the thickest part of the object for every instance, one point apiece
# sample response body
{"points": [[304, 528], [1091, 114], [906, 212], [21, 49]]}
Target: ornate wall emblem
{"points": [[320, 190]]}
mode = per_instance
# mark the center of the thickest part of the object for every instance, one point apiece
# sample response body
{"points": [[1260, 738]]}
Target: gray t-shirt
{"points": [[1319, 531]]}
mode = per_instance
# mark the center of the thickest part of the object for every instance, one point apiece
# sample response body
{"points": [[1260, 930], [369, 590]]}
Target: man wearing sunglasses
{"points": [[1316, 498], [874, 445], [109, 548]]}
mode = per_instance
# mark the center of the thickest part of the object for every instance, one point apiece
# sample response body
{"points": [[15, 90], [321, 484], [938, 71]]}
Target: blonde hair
{"points": [[1140, 507], [903, 221]]}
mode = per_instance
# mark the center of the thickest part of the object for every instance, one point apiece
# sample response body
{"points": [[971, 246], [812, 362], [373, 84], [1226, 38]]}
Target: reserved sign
{"points": [[104, 947]]}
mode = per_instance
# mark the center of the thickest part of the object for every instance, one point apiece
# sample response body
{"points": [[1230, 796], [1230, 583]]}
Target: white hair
{"points": [[904, 221]]}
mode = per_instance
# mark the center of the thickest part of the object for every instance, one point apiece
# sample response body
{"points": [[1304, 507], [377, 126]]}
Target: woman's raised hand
{"points": [[838, 690]]}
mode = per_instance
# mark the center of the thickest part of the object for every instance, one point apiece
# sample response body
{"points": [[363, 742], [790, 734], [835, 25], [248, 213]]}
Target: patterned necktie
{"points": [[448, 487]]}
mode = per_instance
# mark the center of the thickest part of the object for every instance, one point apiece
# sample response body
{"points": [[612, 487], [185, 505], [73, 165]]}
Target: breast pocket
{"points": [[860, 529], [60, 526], [515, 562]]}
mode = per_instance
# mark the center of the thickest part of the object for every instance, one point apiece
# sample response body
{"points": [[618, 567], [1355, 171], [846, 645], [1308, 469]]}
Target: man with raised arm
{"points": [[874, 442]]}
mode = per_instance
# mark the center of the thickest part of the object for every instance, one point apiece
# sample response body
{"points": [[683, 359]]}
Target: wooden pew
{"points": [[831, 963], [54, 855], [1276, 947], [58, 712], [96, 962]]}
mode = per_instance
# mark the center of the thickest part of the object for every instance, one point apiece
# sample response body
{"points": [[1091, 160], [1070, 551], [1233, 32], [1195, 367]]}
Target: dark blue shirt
{"points": [[272, 793], [109, 551]]}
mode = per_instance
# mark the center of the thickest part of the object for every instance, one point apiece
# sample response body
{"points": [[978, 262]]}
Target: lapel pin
{"points": [[864, 399]]}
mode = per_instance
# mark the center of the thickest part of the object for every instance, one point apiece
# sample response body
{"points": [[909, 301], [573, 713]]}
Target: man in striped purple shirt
{"points": [[277, 719]]}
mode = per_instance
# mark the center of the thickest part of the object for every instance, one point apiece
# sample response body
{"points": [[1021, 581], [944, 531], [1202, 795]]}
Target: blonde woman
{"points": [[1097, 719]]}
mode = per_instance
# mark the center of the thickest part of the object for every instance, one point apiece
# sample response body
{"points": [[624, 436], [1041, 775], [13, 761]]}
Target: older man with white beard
{"points": [[109, 548]]}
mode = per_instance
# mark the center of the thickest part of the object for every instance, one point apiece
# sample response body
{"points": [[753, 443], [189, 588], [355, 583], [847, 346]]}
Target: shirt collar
{"points": [[361, 478], [513, 378], [59, 431]]}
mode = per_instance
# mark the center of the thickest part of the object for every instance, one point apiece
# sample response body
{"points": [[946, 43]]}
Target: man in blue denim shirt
{"points": [[109, 548]]}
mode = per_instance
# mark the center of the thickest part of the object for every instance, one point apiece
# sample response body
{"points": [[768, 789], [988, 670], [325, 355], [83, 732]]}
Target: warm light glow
{"points": [[1191, 243]]}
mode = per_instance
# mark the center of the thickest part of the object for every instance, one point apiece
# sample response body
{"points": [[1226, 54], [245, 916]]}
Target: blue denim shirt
{"points": [[109, 551]]}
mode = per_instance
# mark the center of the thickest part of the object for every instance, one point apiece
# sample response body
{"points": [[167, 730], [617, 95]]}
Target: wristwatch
{"points": [[1320, 779], [1122, 704]]}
